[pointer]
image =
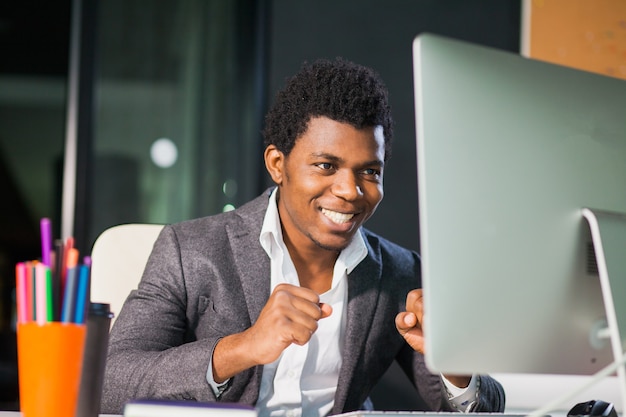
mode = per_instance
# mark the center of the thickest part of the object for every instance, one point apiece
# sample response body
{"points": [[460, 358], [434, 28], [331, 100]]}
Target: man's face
{"points": [[330, 184]]}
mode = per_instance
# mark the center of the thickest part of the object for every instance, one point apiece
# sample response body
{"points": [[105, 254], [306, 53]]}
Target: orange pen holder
{"points": [[50, 359]]}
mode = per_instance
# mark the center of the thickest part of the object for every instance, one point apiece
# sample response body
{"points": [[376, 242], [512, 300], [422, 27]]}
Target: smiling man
{"points": [[288, 303]]}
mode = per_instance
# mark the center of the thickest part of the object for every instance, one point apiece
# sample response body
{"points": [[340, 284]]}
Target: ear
{"points": [[274, 163]]}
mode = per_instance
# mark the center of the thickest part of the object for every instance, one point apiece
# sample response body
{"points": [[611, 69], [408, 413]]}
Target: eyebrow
{"points": [[334, 158]]}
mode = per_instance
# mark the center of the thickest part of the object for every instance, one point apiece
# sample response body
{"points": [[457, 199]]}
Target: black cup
{"points": [[94, 360]]}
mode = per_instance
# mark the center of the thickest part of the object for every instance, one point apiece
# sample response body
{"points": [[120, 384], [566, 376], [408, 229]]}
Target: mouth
{"points": [[336, 217]]}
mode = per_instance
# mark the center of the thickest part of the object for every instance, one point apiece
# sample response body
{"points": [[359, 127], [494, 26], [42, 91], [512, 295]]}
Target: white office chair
{"points": [[119, 256]]}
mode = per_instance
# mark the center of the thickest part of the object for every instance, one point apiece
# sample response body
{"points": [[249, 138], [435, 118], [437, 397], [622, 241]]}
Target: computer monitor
{"points": [[509, 152]]}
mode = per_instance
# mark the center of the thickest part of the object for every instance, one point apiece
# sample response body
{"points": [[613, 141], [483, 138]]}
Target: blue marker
{"points": [[81, 294], [69, 298]]}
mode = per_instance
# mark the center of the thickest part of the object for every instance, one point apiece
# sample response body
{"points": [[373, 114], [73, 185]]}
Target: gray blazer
{"points": [[209, 277]]}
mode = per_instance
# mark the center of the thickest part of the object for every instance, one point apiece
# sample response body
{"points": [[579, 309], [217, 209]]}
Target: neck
{"points": [[314, 267]]}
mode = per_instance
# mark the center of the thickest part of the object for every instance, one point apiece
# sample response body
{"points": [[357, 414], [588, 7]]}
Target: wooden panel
{"points": [[585, 34]]}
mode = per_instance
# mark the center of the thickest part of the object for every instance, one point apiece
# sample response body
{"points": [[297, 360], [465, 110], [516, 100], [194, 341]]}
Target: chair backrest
{"points": [[119, 256]]}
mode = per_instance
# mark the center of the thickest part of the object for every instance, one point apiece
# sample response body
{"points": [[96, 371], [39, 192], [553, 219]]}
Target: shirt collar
{"points": [[272, 236]]}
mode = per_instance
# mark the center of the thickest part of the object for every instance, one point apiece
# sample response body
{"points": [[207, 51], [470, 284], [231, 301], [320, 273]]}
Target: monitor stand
{"points": [[608, 233]]}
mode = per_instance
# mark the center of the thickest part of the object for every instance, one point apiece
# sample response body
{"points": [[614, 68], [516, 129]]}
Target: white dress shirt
{"points": [[303, 380]]}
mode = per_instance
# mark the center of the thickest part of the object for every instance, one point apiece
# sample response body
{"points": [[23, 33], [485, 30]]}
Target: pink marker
{"points": [[20, 292], [41, 294]]}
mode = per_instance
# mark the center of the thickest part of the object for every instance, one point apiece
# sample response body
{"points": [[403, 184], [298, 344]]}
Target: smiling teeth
{"points": [[337, 217]]}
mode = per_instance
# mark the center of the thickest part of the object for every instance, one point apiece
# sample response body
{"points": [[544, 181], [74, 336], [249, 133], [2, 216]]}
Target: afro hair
{"points": [[338, 89]]}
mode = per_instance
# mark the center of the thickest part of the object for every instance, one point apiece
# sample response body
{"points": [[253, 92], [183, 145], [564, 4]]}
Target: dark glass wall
{"points": [[179, 97]]}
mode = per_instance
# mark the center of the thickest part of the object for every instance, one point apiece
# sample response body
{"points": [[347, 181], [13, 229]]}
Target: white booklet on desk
{"points": [[169, 408]]}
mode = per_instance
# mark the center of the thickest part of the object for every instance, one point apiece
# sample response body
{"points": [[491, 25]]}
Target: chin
{"points": [[332, 245]]}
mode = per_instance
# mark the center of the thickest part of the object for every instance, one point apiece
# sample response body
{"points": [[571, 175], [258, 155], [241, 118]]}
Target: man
{"points": [[287, 303]]}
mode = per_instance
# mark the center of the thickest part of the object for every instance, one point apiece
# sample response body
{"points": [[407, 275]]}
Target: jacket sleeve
{"points": [[150, 354], [491, 397], [431, 388]]}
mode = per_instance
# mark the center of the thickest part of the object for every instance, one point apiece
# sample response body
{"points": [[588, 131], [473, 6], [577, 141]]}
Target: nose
{"points": [[347, 186]]}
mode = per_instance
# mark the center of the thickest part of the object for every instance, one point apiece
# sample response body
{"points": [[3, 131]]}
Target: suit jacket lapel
{"points": [[253, 266], [251, 261], [363, 292]]}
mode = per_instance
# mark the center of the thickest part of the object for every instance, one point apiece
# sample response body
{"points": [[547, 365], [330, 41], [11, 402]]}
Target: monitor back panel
{"points": [[509, 150]]}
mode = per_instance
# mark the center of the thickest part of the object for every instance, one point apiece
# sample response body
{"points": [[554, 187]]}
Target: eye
{"points": [[326, 166], [371, 172]]}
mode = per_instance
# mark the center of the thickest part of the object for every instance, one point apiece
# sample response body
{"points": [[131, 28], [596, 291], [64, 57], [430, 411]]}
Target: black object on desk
{"points": [[593, 408], [94, 360]]}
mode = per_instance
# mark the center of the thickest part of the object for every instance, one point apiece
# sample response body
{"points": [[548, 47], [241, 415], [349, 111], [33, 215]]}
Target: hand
{"points": [[409, 323], [289, 316]]}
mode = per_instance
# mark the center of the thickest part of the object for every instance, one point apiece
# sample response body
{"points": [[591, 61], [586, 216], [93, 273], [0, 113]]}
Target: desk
{"points": [[528, 392]]}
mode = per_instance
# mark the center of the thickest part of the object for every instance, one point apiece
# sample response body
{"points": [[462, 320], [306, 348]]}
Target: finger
{"points": [[301, 335], [410, 329], [297, 316], [289, 301], [300, 292], [415, 301], [405, 321], [283, 324], [305, 300], [326, 310], [302, 331], [297, 311]]}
